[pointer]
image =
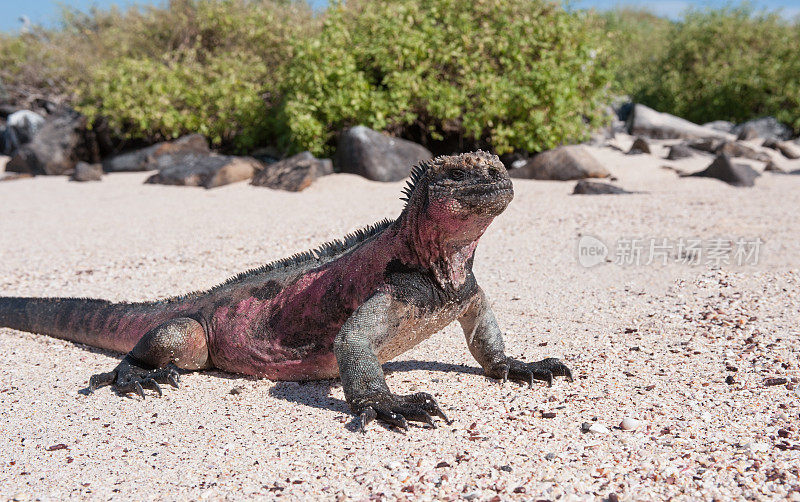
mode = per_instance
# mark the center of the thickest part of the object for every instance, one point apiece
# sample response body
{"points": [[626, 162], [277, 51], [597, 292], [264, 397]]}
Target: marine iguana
{"points": [[340, 310]]}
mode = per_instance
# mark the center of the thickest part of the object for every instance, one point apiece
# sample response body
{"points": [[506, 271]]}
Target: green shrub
{"points": [[208, 66], [204, 66], [503, 74], [639, 42], [727, 64]]}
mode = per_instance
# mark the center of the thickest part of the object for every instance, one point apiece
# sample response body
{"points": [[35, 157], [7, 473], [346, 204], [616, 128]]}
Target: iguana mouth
{"points": [[486, 189]]}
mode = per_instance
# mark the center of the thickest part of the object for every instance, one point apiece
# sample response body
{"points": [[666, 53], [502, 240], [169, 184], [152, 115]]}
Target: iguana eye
{"points": [[458, 174]]}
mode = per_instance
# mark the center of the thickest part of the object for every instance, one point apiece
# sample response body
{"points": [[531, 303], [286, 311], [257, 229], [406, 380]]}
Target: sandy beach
{"points": [[648, 339]]}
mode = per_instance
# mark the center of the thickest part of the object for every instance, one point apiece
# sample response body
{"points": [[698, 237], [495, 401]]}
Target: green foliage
{"points": [[639, 42], [497, 74], [156, 99], [515, 74], [199, 66], [726, 64], [208, 66]]}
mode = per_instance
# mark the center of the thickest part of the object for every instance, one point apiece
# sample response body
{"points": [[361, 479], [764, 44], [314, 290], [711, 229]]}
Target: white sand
{"points": [[650, 342]]}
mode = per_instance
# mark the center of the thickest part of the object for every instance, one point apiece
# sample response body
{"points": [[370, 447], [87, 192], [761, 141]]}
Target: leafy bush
{"points": [[200, 66], [639, 41], [728, 64], [209, 66], [503, 74]]}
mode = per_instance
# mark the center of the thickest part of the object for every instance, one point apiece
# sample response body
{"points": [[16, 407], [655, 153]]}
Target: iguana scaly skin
{"points": [[340, 310]]}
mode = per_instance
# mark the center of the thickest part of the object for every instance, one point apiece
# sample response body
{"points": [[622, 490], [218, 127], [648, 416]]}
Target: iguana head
{"points": [[450, 201], [467, 186]]}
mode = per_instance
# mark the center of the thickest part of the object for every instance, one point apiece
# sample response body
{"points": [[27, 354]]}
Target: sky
{"points": [[46, 11]]}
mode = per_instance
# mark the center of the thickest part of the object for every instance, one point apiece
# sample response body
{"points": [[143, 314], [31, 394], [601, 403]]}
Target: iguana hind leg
{"points": [[179, 343]]}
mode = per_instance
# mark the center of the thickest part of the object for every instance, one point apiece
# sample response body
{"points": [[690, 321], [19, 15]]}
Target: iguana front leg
{"points": [[362, 376], [179, 343], [485, 341]]}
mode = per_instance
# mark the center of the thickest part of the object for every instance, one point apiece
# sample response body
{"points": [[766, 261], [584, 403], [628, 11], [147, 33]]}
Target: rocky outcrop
{"points": [[705, 145], [678, 152], [740, 175], [584, 187], [377, 156], [789, 149], [572, 162], [87, 172], [206, 170], [146, 159], [21, 127], [55, 149], [294, 174], [737, 149], [644, 121], [765, 127], [773, 167], [640, 145]]}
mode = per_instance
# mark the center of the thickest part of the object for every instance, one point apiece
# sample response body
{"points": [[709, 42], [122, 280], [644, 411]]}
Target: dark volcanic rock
{"points": [[773, 167], [145, 159], [573, 162], [677, 152], [87, 172], [640, 145], [724, 169], [765, 127], [56, 147], [21, 127], [206, 170], [747, 133], [736, 149], [705, 145], [645, 121], [376, 156], [293, 174], [584, 187]]}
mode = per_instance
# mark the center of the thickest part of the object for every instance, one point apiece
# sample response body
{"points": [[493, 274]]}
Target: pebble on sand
{"points": [[629, 424], [594, 428]]}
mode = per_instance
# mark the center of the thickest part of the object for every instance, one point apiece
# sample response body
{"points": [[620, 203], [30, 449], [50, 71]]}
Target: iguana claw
{"points": [[544, 370], [397, 410], [128, 377]]}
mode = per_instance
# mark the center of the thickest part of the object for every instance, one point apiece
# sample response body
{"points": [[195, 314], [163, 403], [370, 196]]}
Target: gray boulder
{"points": [[736, 149], [56, 147], [21, 127], [205, 170], [773, 167], [721, 125], [573, 162], [740, 175], [640, 145], [789, 149], [584, 187], [145, 159], [87, 172], [765, 127], [678, 152], [644, 121], [705, 145], [377, 156], [294, 174]]}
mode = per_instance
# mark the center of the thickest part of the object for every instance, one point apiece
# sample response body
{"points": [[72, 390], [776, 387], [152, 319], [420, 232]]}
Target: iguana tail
{"points": [[99, 323]]}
